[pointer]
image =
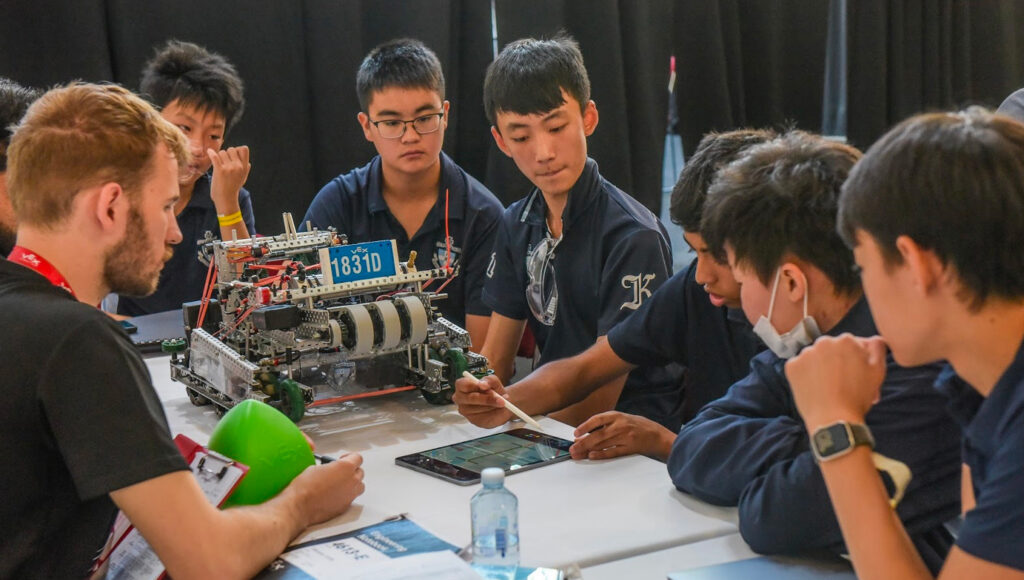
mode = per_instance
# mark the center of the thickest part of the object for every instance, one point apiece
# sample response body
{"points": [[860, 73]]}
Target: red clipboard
{"points": [[126, 554]]}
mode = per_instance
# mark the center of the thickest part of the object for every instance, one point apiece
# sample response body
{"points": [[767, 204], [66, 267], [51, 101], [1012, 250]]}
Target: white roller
{"points": [[417, 319], [363, 327], [336, 334], [392, 324]]}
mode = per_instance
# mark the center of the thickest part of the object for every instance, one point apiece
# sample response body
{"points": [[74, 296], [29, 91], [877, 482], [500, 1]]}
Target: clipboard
{"points": [[127, 555]]}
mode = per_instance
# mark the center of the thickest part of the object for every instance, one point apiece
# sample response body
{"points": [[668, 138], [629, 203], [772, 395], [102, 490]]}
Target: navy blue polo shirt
{"points": [[993, 447], [353, 204], [613, 254], [679, 324], [183, 276]]}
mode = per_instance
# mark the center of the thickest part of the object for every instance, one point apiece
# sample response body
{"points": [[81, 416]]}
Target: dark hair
{"points": [[954, 183], [14, 101], [403, 62], [715, 151], [781, 198], [529, 75], [194, 76]]}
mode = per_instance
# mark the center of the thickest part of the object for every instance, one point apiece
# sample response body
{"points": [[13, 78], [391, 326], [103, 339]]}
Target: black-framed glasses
{"points": [[395, 128]]}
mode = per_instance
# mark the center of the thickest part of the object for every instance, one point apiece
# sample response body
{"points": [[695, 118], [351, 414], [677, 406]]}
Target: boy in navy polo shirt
{"points": [[201, 93], [935, 216], [773, 213], [576, 255], [411, 191], [692, 320]]}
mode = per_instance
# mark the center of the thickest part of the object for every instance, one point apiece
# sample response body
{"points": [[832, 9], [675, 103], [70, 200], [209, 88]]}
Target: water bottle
{"points": [[495, 514]]}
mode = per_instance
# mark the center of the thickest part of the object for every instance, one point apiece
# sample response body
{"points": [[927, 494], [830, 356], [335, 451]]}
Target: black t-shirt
{"points": [[679, 324], [79, 419], [613, 254], [353, 204]]}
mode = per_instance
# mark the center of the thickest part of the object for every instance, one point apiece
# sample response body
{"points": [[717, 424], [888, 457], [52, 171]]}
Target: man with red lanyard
{"points": [[93, 179]]}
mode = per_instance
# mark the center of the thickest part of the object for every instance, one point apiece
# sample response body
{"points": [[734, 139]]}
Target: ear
{"points": [[924, 267], [792, 283], [500, 141], [590, 118], [109, 207], [446, 107], [364, 122]]}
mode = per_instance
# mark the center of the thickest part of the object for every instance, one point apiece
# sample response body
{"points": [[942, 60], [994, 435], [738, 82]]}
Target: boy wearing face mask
{"points": [[772, 214]]}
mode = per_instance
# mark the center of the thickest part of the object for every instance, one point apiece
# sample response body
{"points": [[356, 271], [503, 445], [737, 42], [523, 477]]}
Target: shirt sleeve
{"points": [[737, 438], [636, 267], [480, 246], [103, 413], [505, 285], [655, 334], [245, 204], [326, 210], [993, 529]]}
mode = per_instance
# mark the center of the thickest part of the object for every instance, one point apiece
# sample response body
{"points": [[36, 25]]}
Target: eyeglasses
{"points": [[395, 128], [542, 291]]}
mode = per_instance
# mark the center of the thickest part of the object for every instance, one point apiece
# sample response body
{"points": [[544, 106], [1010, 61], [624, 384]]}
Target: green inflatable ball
{"points": [[261, 437]]}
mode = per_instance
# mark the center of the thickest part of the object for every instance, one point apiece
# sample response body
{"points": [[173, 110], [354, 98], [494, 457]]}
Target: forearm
{"points": [[598, 401], [877, 542]]}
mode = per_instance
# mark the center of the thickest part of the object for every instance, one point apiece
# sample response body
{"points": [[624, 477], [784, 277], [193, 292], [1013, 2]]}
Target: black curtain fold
{"points": [[751, 64], [909, 56]]}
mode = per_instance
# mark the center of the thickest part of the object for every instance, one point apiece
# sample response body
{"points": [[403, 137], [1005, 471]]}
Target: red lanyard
{"points": [[37, 263]]}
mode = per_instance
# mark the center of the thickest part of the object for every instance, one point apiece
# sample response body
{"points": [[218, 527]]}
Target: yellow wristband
{"points": [[230, 220]]}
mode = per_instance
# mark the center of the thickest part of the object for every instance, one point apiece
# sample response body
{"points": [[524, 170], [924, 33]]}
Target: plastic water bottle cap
{"points": [[492, 476]]}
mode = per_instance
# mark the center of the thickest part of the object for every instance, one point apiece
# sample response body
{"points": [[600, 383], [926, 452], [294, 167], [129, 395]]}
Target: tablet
{"points": [[514, 451]]}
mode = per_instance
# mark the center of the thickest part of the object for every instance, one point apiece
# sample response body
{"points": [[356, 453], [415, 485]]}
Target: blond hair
{"points": [[81, 136]]}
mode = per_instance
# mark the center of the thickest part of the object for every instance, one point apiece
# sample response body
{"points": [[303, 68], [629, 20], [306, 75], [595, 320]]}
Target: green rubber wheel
{"points": [[173, 345], [290, 396]]}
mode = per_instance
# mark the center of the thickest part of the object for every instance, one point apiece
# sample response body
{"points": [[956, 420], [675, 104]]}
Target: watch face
{"points": [[831, 439]]}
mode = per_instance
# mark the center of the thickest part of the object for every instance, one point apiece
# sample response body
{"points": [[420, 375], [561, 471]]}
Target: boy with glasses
{"points": [[411, 191], [200, 92], [693, 320], [576, 255]]}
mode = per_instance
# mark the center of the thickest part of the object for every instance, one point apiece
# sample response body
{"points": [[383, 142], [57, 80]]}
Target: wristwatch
{"points": [[838, 439]]}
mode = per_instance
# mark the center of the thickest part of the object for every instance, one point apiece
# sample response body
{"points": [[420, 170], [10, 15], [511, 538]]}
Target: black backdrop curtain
{"points": [[755, 64], [908, 56], [739, 63]]}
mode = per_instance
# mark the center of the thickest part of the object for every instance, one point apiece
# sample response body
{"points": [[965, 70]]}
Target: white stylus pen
{"points": [[508, 405]]}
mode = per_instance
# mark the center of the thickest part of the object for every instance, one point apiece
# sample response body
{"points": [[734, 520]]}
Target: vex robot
{"points": [[306, 319]]}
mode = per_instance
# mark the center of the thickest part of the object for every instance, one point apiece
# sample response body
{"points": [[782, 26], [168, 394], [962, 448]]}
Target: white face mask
{"points": [[786, 345]]}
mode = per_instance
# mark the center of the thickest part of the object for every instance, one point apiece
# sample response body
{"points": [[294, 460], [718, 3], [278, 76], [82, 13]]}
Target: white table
{"points": [[577, 512], [660, 564]]}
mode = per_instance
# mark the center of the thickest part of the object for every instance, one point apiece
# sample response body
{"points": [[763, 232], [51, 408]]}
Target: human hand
{"points": [[481, 401], [328, 489], [230, 170], [614, 433], [837, 379]]}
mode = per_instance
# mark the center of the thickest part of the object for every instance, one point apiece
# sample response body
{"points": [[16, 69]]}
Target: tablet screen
{"points": [[512, 451]]}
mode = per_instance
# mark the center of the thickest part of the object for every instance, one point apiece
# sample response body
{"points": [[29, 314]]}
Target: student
{"points": [[411, 191], [773, 213], [93, 177], [14, 101], [935, 216], [576, 254], [201, 93], [692, 320]]}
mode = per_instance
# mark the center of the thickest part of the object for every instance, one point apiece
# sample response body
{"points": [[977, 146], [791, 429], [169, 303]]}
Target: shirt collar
{"points": [[581, 197], [857, 321], [456, 189], [990, 413], [201, 194]]}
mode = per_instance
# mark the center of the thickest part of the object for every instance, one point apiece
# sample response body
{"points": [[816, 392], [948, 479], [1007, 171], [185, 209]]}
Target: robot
{"points": [[305, 319]]}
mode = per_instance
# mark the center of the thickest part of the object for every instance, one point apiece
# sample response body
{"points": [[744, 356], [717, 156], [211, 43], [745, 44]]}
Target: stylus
{"points": [[508, 405]]}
